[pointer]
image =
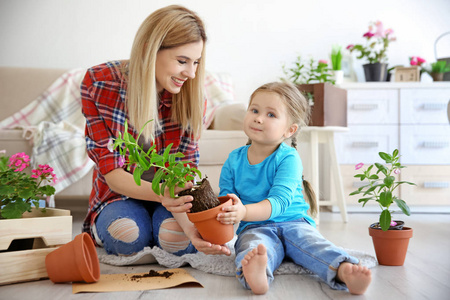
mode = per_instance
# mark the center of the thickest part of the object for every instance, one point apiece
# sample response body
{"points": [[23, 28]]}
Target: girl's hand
{"points": [[206, 247], [177, 205], [232, 214]]}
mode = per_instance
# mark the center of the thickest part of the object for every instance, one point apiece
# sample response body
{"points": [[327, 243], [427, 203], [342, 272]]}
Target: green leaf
{"points": [[386, 157], [389, 181], [385, 198], [385, 219], [403, 206], [14, 210], [156, 181], [137, 175], [166, 152]]}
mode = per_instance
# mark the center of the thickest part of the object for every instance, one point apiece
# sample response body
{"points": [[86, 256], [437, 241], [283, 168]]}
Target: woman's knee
{"points": [[171, 236]]}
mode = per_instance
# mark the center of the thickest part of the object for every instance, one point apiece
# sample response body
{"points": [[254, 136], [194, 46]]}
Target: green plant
{"points": [[439, 67], [336, 58], [170, 170], [302, 73], [381, 189], [19, 190], [376, 44]]}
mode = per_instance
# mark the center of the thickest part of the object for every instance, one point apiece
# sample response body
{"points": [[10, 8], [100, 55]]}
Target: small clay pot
{"points": [[74, 261], [209, 228], [391, 245]]}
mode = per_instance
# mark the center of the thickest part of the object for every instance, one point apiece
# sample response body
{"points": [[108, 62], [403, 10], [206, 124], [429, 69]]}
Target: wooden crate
{"points": [[330, 104], [25, 242]]}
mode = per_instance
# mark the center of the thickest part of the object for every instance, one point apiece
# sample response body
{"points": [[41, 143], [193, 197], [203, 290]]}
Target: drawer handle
{"points": [[434, 106], [365, 106], [436, 184], [365, 144], [435, 145]]}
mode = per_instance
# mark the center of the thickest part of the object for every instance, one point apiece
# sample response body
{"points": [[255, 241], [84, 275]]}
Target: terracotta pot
{"points": [[74, 261], [391, 245], [209, 228]]}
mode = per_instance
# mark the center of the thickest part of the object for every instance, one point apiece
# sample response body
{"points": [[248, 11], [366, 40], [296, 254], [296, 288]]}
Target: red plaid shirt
{"points": [[103, 94]]}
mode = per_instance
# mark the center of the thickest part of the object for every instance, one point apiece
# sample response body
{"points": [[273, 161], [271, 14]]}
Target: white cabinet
{"points": [[411, 117]]}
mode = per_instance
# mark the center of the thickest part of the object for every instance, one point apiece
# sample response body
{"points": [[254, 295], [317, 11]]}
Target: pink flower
{"points": [[110, 145], [393, 223], [121, 161], [323, 61], [379, 29], [420, 60], [397, 171], [19, 161], [368, 35], [359, 166], [413, 62], [45, 172], [350, 46]]}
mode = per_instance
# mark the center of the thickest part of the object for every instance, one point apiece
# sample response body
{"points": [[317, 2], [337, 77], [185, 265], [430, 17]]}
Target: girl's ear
{"points": [[291, 130]]}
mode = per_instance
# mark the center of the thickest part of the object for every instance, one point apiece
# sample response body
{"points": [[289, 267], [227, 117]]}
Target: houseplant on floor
{"points": [[170, 173], [374, 51], [390, 237]]}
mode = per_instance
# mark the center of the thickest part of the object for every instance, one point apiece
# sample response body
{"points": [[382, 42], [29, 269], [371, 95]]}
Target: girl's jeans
{"points": [[297, 240], [148, 217]]}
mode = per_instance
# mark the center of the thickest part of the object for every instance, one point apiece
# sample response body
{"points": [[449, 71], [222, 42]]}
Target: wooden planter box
{"points": [[330, 104], [25, 242]]}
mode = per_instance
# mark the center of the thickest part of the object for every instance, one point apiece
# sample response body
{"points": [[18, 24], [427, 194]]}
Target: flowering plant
{"points": [[376, 43], [416, 61], [381, 189], [170, 169], [315, 72], [18, 190]]}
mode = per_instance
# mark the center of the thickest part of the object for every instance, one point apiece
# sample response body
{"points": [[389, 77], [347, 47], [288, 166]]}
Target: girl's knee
{"points": [[171, 236], [124, 230]]}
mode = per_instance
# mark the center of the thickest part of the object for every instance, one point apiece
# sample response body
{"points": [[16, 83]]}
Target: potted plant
{"points": [[374, 51], [18, 189], [170, 173], [328, 102], [336, 64], [438, 69], [390, 237]]}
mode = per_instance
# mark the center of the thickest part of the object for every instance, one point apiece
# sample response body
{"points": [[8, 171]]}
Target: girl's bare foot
{"points": [[254, 267], [357, 278]]}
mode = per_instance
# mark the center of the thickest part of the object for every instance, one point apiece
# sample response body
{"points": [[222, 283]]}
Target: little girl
{"points": [[264, 179]]}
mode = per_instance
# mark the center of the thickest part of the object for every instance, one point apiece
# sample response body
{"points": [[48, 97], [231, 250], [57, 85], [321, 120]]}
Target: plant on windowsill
{"points": [[170, 173], [19, 190], [380, 187]]}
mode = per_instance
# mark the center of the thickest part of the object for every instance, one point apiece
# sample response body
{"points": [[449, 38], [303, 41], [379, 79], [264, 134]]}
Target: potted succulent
{"points": [[170, 173], [390, 237], [374, 51], [314, 79]]}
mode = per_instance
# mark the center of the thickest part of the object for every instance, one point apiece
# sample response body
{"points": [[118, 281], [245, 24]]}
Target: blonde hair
{"points": [[168, 27], [299, 112]]}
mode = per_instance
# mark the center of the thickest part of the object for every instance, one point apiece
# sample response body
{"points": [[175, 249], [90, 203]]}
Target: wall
{"points": [[248, 39]]}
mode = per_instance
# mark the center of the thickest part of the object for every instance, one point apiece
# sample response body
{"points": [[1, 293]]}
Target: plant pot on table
{"points": [[375, 72]]}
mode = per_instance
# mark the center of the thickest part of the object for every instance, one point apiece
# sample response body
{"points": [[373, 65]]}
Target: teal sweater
{"points": [[278, 178]]}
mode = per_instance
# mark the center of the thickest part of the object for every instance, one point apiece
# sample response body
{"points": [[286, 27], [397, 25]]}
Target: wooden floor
{"points": [[425, 275]]}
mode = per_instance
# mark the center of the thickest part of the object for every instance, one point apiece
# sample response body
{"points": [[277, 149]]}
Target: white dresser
{"points": [[411, 117]]}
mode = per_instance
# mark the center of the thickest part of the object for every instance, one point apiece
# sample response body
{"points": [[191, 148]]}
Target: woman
{"points": [[163, 81]]}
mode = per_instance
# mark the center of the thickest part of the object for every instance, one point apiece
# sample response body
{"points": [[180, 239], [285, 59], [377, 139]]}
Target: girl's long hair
{"points": [[299, 112], [168, 27]]}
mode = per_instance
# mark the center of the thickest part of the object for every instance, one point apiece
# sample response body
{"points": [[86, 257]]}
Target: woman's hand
{"points": [[232, 214], [177, 205], [206, 247]]}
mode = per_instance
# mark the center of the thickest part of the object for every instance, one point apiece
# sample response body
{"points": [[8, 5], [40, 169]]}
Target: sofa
{"points": [[20, 86]]}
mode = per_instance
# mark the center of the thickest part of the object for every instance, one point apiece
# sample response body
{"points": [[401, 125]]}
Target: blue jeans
{"points": [[298, 241], [148, 217]]}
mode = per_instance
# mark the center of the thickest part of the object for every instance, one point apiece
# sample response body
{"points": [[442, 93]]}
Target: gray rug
{"points": [[213, 264]]}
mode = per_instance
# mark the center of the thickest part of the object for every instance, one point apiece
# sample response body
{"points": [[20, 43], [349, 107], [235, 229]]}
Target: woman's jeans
{"points": [[297, 240], [147, 215]]}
